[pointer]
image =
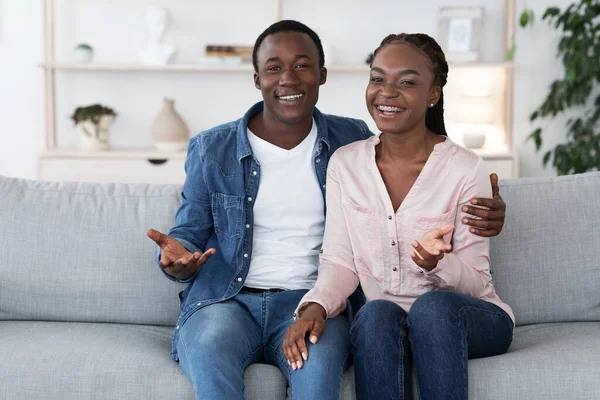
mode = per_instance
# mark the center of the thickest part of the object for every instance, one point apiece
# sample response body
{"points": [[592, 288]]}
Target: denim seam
{"points": [[283, 361], [401, 371], [463, 331], [187, 353], [245, 363]]}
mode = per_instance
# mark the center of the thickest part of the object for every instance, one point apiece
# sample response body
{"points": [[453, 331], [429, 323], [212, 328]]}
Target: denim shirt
{"points": [[222, 178]]}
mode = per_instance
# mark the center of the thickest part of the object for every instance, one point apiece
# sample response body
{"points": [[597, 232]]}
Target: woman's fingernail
{"points": [[465, 208], [313, 340], [465, 220], [474, 201], [289, 362], [414, 244], [294, 366], [304, 356]]}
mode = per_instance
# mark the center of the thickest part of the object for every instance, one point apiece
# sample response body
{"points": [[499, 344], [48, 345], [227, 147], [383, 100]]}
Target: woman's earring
{"points": [[431, 105]]}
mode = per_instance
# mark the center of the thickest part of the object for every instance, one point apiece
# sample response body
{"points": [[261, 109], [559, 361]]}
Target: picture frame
{"points": [[459, 32]]}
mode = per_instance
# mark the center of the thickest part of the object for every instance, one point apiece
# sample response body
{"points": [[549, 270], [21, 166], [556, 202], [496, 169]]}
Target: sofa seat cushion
{"points": [[546, 361], [61, 360]]}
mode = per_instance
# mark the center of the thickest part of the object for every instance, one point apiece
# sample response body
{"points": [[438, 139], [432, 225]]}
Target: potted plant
{"points": [[94, 123], [579, 49]]}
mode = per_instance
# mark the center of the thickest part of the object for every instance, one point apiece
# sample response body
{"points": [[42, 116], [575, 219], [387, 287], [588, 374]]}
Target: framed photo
{"points": [[459, 32]]}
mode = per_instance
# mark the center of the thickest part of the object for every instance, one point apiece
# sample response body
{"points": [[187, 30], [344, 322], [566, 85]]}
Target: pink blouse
{"points": [[367, 242]]}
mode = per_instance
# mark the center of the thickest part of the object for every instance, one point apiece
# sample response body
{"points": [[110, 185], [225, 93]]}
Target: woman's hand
{"points": [[431, 247], [312, 321]]}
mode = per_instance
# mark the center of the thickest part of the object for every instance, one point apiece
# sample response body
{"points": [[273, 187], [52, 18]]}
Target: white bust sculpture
{"points": [[155, 52]]}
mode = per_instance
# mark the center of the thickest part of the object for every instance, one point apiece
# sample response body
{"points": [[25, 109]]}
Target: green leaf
{"points": [[571, 75], [533, 116], [510, 56], [537, 138], [524, 19], [551, 12], [547, 157]]}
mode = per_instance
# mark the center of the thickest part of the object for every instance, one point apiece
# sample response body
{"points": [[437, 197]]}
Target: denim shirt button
{"points": [[239, 279], [254, 173], [247, 226], [177, 327], [318, 160], [245, 255], [199, 304], [249, 198]]}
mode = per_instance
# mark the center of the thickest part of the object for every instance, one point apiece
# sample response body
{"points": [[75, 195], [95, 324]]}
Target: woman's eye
{"points": [[376, 79]]}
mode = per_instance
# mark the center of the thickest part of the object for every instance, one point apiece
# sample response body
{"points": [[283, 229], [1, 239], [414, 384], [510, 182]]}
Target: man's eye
{"points": [[407, 83], [273, 68], [302, 66]]}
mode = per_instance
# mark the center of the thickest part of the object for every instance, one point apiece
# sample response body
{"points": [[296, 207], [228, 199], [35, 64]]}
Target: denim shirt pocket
{"points": [[227, 213]]}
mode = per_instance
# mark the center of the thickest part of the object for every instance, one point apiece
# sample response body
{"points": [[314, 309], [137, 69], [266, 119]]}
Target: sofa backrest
{"points": [[546, 261], [79, 252]]}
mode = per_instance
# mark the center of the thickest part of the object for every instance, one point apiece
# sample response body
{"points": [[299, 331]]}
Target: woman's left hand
{"points": [[431, 247]]}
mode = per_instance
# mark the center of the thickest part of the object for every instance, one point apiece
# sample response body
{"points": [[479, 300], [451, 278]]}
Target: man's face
{"points": [[289, 75]]}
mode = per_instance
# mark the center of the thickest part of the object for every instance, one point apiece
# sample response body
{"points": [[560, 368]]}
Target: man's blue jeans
{"points": [[219, 341], [440, 333]]}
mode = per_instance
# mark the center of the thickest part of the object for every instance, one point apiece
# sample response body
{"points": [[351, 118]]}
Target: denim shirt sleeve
{"points": [[193, 221]]}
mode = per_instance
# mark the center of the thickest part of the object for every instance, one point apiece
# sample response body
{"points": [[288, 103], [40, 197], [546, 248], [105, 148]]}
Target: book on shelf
{"points": [[225, 51]]}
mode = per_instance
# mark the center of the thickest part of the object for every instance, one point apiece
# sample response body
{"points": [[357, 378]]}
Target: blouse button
{"points": [[390, 217], [393, 242], [394, 269]]}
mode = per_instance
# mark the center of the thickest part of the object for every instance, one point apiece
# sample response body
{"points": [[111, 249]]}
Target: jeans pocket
{"points": [[227, 213]]}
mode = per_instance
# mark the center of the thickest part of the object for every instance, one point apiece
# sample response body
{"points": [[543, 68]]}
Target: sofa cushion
{"points": [[58, 360], [545, 262], [545, 361], [79, 252]]}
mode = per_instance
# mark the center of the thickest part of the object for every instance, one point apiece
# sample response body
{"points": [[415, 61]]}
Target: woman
{"points": [[392, 204]]}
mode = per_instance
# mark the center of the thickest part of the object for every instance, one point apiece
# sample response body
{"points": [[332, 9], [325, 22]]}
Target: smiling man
{"points": [[250, 227]]}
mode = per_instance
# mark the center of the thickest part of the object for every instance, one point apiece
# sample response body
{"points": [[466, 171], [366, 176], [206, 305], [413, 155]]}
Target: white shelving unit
{"points": [[149, 165]]}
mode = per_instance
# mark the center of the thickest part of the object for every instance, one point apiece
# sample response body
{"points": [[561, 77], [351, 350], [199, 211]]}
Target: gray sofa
{"points": [[86, 314]]}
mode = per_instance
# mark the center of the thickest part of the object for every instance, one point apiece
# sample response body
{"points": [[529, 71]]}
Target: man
{"points": [[252, 216]]}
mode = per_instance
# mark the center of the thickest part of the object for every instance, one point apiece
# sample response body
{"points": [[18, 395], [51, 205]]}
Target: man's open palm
{"points": [[175, 259]]}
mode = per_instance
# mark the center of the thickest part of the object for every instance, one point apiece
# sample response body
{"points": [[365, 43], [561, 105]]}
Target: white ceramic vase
{"points": [[96, 136], [169, 130], [474, 140]]}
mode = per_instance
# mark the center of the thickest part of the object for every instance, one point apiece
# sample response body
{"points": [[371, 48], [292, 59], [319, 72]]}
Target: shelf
{"points": [[229, 68], [118, 153]]}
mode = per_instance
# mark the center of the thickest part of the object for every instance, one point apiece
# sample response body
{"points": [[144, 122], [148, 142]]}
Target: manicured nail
{"points": [[313, 339], [465, 208], [472, 230], [304, 356], [415, 244], [464, 220], [289, 362], [294, 366], [474, 201]]}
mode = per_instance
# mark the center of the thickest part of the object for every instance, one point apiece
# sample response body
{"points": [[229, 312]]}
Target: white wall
{"points": [[116, 29]]}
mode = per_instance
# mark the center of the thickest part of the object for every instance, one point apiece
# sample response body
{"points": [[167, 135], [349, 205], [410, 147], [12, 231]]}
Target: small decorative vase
{"points": [[95, 136], [83, 53], [169, 130], [474, 140]]}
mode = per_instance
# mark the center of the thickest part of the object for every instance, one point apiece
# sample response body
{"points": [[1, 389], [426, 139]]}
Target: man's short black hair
{"points": [[288, 25]]}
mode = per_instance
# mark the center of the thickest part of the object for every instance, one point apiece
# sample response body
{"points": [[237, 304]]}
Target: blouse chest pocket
{"points": [[419, 225], [227, 213], [364, 232]]}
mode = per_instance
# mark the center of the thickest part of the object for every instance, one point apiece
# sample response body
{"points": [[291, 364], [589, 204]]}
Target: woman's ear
{"points": [[434, 96]]}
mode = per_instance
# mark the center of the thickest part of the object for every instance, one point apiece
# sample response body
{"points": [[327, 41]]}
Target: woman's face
{"points": [[400, 88]]}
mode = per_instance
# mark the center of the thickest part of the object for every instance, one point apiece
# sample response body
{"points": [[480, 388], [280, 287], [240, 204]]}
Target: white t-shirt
{"points": [[289, 217]]}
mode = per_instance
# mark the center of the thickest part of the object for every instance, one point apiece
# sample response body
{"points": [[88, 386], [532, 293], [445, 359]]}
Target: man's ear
{"points": [[256, 81], [323, 76]]}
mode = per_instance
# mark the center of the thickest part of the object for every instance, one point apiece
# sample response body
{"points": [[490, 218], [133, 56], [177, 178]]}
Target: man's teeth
{"points": [[291, 97], [389, 109]]}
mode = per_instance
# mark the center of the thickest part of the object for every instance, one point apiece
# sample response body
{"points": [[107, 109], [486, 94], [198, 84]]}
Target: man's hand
{"points": [[312, 322], [175, 259], [489, 213], [431, 247]]}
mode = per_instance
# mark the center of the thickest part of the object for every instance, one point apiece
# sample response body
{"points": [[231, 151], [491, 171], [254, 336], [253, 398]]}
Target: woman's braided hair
{"points": [[434, 118]]}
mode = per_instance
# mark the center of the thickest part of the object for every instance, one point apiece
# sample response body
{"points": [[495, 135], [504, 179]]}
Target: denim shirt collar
{"points": [[243, 144]]}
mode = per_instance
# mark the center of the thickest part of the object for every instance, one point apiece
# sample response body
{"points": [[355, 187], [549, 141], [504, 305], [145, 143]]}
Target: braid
{"points": [[434, 118]]}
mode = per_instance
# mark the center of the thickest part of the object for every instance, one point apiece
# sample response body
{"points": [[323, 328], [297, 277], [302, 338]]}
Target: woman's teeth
{"points": [[291, 97], [389, 109]]}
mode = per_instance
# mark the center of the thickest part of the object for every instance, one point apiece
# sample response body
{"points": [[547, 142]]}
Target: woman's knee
{"points": [[378, 315]]}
